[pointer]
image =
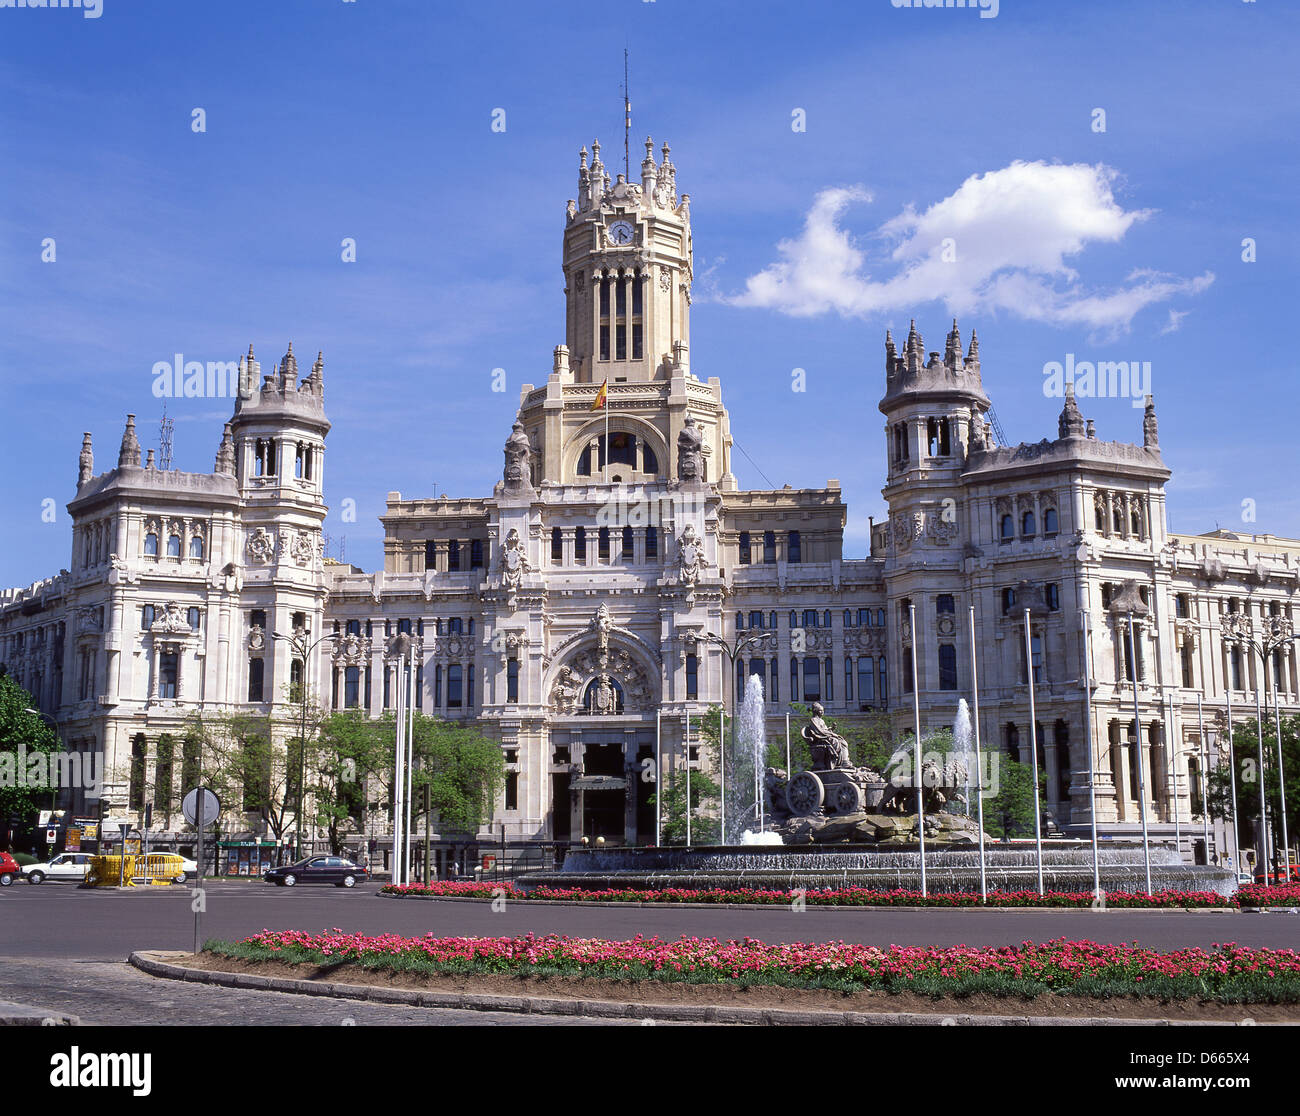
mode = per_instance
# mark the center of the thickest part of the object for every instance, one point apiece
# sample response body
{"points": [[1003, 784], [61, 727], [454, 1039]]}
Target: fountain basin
{"points": [[1067, 866]]}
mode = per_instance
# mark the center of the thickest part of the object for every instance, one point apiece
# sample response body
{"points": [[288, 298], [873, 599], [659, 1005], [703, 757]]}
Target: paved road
{"points": [[114, 993], [60, 920]]}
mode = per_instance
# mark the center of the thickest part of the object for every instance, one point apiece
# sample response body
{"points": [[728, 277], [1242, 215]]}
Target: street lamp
{"points": [[299, 645], [54, 790], [1238, 628], [733, 651]]}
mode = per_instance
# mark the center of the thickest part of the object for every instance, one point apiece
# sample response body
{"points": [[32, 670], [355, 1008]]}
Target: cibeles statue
{"points": [[517, 477], [829, 749], [690, 453]]}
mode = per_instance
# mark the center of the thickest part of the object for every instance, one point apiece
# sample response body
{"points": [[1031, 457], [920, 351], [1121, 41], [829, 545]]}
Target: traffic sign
{"points": [[211, 807]]}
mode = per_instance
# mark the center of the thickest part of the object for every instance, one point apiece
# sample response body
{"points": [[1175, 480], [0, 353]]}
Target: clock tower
{"points": [[627, 271]]}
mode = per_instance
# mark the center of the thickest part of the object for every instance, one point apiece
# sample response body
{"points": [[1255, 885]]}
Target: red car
{"points": [[9, 870]]}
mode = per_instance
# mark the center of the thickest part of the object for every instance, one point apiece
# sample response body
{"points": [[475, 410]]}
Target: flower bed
{"points": [[843, 896], [1228, 973], [1279, 895]]}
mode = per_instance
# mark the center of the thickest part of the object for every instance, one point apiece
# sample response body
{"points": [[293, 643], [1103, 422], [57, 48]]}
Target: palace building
{"points": [[579, 611]]}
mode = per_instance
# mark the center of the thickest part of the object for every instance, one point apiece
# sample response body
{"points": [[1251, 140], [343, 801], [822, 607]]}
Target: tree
{"points": [[243, 767], [26, 743], [464, 769], [349, 749], [1245, 761], [706, 827]]}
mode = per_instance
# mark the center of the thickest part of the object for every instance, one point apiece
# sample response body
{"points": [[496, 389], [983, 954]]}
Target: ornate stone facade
{"points": [[577, 612]]}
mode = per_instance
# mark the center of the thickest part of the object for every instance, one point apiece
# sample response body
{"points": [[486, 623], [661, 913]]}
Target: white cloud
{"points": [[1001, 241]]}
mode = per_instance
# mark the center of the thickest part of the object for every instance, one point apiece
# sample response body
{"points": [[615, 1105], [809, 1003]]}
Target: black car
{"points": [[318, 869]]}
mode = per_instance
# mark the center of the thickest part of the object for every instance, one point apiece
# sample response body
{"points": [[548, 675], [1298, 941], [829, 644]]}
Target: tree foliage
{"points": [[1245, 763], [704, 793], [23, 734]]}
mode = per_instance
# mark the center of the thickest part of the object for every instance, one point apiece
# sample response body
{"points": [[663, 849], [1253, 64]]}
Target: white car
{"points": [[65, 866]]}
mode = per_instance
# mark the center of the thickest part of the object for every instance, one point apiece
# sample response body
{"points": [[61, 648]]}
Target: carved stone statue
{"points": [[690, 557], [518, 473], [829, 749], [690, 452], [1150, 431], [514, 564], [1070, 424]]}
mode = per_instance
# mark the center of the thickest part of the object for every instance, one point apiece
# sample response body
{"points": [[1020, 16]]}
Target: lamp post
{"points": [[1238, 628], [54, 791], [733, 651], [298, 644], [1128, 603]]}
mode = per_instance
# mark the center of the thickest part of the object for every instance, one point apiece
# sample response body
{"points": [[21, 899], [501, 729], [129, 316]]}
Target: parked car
{"points": [[318, 869], [9, 869], [65, 866]]}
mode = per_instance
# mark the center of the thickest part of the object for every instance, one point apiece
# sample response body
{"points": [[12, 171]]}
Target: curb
{"points": [[153, 962], [23, 1015], [820, 906]]}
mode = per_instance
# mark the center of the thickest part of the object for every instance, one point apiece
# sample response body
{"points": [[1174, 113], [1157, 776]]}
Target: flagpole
{"points": [[1232, 775], [688, 779], [1092, 759], [979, 763], [659, 782], [916, 749], [1033, 741]]}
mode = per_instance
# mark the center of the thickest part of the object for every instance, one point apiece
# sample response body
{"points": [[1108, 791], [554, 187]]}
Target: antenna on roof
{"points": [[165, 429], [627, 124]]}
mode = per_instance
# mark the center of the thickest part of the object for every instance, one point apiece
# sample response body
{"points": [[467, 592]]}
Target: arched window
{"points": [[880, 618], [584, 461], [1028, 526], [1008, 528], [740, 621], [794, 619], [192, 615], [1099, 518], [649, 462], [1008, 600], [848, 618], [151, 544], [196, 546], [173, 546], [1135, 520], [756, 619], [1051, 523]]}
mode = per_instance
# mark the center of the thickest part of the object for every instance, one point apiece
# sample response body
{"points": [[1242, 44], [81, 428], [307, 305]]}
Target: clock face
{"points": [[621, 232]]}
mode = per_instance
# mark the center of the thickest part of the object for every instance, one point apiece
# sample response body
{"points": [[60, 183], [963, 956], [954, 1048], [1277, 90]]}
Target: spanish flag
{"points": [[599, 402]]}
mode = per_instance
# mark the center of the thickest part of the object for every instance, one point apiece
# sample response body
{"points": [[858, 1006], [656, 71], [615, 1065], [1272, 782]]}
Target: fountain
{"points": [[840, 825], [746, 817]]}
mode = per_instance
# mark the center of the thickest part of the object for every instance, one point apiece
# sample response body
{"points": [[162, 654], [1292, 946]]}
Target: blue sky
{"points": [[373, 120]]}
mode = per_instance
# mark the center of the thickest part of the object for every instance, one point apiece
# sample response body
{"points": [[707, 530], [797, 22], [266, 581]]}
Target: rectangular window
{"points": [[866, 680], [947, 666], [652, 542], [455, 693], [769, 547], [512, 680], [557, 545], [812, 682], [794, 547], [256, 673], [469, 686], [512, 790], [830, 681], [744, 548], [692, 678], [453, 554], [580, 544], [476, 554], [430, 554], [602, 544], [626, 553]]}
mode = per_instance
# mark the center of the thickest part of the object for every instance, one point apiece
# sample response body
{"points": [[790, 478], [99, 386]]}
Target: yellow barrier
{"points": [[106, 871], [158, 868]]}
